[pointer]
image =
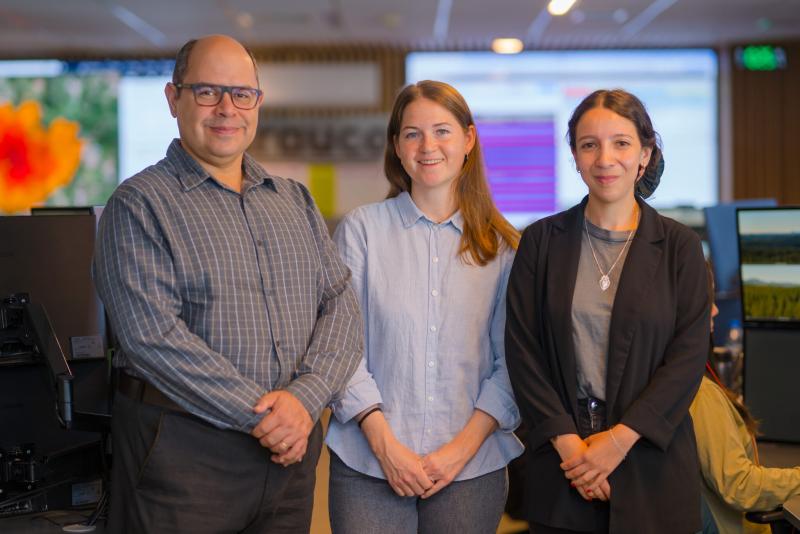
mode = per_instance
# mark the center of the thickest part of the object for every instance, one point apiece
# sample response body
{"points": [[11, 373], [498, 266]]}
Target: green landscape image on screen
{"points": [[769, 242]]}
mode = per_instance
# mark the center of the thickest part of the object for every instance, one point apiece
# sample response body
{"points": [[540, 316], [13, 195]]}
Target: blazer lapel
{"points": [[637, 275], [563, 256]]}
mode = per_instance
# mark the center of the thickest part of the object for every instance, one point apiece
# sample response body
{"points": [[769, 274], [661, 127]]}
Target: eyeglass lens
{"points": [[211, 95]]}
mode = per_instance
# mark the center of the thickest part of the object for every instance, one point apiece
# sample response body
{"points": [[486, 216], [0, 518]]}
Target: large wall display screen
{"points": [[119, 107], [522, 103]]}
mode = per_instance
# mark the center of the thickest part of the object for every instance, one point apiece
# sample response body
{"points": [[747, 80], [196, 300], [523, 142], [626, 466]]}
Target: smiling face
{"points": [[216, 136], [431, 145], [609, 155]]}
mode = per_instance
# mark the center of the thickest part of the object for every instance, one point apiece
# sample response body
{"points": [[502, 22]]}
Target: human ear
{"points": [[471, 138], [171, 92]]}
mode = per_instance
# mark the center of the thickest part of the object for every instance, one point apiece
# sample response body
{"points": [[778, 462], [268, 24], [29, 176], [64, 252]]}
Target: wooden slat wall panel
{"points": [[791, 127], [766, 130]]}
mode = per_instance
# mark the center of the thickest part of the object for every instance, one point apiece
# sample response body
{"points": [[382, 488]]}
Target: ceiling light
{"points": [[507, 45], [244, 20], [620, 16], [559, 7], [577, 16]]}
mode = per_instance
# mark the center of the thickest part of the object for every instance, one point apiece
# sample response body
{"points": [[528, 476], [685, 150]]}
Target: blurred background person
{"points": [[733, 480]]}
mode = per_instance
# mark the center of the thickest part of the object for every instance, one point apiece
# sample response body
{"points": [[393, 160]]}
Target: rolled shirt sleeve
{"points": [[496, 397], [362, 391], [337, 342]]}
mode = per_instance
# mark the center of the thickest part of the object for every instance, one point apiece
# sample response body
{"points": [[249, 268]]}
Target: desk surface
{"points": [[791, 511]]}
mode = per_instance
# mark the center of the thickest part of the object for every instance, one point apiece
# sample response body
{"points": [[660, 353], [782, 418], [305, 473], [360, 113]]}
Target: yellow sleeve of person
{"points": [[734, 481]]}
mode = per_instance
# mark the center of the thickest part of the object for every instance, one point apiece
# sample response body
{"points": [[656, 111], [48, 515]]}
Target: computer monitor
{"points": [[49, 257], [723, 242], [723, 251], [769, 266]]}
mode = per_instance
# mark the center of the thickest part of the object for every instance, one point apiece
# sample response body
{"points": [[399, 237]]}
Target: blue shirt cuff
{"points": [[356, 398], [500, 405]]}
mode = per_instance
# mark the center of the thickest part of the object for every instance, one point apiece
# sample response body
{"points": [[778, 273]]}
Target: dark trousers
{"points": [[174, 473], [536, 528]]}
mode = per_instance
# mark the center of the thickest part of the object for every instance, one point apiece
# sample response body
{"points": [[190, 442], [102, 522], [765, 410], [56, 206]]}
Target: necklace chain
{"points": [[605, 281]]}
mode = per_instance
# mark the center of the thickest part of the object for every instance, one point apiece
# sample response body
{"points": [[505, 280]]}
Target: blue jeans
{"points": [[361, 504]]}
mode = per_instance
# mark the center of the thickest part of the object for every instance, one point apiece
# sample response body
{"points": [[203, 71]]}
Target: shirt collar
{"points": [[191, 173], [410, 213]]}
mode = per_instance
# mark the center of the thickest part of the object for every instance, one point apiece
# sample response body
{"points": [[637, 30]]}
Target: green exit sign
{"points": [[760, 57]]}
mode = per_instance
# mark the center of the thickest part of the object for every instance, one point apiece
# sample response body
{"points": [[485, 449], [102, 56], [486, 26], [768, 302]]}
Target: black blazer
{"points": [[658, 343]]}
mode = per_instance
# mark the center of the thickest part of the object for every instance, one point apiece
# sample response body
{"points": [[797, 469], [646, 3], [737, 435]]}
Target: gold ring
{"points": [[284, 446]]}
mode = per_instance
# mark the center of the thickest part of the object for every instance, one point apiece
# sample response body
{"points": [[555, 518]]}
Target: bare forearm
{"points": [[568, 445], [378, 433], [479, 427], [624, 437]]}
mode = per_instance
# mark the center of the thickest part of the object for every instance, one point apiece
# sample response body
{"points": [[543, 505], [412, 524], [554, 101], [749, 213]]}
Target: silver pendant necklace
{"points": [[605, 281]]}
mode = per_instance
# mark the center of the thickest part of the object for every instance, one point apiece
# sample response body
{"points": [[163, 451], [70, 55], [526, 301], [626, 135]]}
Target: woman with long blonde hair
{"points": [[422, 435]]}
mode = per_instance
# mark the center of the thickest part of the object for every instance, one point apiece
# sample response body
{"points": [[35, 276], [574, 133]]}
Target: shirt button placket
{"points": [[432, 344]]}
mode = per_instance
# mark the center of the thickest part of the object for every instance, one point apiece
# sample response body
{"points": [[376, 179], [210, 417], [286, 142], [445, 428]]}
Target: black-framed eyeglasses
{"points": [[206, 94]]}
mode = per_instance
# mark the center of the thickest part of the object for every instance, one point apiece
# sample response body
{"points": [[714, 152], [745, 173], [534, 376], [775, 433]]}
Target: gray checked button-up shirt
{"points": [[217, 297]]}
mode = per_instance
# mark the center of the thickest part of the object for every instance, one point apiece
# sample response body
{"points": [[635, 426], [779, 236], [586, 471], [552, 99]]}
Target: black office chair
{"points": [[776, 520]]}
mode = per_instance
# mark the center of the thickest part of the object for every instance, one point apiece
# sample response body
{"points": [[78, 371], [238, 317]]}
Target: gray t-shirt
{"points": [[591, 307]]}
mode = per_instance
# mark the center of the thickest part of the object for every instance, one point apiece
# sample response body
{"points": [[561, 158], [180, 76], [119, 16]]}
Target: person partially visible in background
{"points": [[734, 482]]}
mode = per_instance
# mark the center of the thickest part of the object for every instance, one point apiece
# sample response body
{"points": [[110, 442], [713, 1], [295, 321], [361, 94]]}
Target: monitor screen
{"points": [[724, 245], [49, 257], [522, 103], [769, 263], [118, 106]]}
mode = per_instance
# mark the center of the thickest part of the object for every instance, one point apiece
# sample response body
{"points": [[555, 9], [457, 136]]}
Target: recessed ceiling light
{"points": [[244, 20], [507, 45], [559, 7]]}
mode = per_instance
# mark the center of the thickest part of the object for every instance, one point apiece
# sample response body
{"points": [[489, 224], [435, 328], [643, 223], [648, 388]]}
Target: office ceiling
{"points": [[36, 28]]}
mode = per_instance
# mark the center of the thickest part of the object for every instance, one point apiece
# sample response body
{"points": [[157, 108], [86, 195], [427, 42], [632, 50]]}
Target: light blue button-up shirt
{"points": [[434, 337]]}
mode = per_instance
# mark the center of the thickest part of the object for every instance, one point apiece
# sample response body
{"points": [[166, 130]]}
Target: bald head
{"points": [[210, 47]]}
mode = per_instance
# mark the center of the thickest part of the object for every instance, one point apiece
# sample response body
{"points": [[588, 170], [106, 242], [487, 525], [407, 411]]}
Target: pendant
{"points": [[605, 282]]}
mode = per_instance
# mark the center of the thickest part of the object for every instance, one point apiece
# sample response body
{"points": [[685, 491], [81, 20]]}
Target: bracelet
{"points": [[616, 444], [369, 412]]}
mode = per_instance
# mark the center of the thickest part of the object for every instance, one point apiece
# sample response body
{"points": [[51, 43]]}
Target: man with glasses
{"points": [[235, 319]]}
